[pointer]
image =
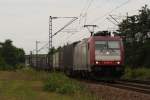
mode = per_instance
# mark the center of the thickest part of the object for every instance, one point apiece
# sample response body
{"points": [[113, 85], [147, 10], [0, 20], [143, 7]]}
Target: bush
{"points": [[3, 65], [139, 73], [58, 82], [20, 66]]}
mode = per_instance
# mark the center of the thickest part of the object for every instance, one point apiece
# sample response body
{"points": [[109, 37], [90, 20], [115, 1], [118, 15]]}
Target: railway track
{"points": [[138, 81], [131, 85]]}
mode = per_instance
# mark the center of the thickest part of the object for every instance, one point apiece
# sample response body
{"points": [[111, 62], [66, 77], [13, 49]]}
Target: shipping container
{"points": [[81, 56]]}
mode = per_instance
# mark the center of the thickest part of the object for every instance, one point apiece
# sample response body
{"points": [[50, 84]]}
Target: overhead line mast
{"points": [[50, 32], [51, 35]]}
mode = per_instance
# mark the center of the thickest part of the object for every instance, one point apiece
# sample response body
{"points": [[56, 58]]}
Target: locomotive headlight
{"points": [[107, 52], [96, 62], [118, 62]]}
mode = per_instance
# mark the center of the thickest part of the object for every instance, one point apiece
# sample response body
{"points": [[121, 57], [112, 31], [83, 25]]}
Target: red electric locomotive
{"points": [[106, 55]]}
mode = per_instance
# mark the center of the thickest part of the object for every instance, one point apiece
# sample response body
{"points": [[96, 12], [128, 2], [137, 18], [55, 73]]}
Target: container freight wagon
{"points": [[39, 61], [56, 60], [81, 61], [67, 57], [42, 62]]}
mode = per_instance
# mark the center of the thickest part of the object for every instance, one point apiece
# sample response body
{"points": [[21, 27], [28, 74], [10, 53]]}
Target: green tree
{"points": [[52, 51], [136, 30], [8, 53], [11, 55], [20, 54]]}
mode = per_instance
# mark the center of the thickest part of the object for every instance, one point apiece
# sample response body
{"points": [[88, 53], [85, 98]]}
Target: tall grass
{"points": [[28, 84], [58, 82], [33, 74]]}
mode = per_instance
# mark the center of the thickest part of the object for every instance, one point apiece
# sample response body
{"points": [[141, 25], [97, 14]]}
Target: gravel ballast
{"points": [[112, 93]]}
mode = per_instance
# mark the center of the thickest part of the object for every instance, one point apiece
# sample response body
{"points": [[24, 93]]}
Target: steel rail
{"points": [[134, 85]]}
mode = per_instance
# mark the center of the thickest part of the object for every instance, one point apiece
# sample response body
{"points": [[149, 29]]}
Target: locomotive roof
{"points": [[95, 38], [105, 38]]}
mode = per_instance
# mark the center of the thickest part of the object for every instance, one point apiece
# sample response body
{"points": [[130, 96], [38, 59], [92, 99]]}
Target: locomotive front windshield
{"points": [[102, 45], [107, 50]]}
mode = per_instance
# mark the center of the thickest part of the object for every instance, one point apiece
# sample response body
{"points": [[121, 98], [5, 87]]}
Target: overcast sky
{"points": [[25, 21]]}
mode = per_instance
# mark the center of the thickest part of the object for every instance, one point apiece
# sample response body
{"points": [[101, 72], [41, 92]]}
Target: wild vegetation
{"points": [[60, 83], [137, 74], [29, 84], [10, 56], [136, 32]]}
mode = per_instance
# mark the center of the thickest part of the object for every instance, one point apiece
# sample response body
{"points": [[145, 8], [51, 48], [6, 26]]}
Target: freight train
{"points": [[101, 56]]}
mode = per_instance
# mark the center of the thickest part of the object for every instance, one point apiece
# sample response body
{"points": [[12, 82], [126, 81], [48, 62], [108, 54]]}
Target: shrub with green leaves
{"points": [[138, 73], [4, 65], [58, 82]]}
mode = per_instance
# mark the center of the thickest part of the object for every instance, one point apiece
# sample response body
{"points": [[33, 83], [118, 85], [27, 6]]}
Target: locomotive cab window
{"points": [[100, 45], [113, 44], [107, 50]]}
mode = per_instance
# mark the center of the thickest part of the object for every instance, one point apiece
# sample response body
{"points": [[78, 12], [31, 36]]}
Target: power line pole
{"points": [[50, 32], [37, 42], [89, 28], [50, 40], [30, 59]]}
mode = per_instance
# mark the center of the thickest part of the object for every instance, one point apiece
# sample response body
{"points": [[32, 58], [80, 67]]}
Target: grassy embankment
{"points": [[138, 73], [28, 84]]}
